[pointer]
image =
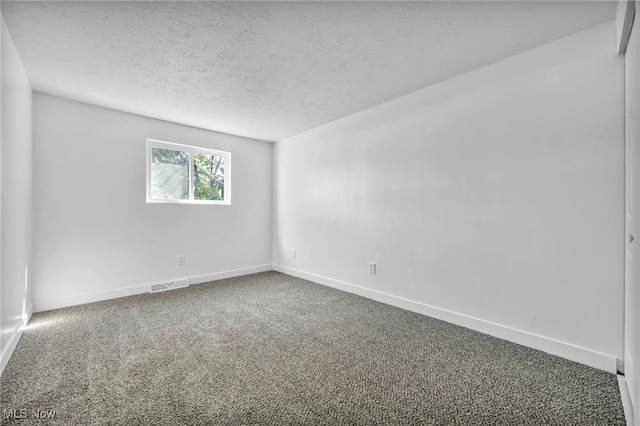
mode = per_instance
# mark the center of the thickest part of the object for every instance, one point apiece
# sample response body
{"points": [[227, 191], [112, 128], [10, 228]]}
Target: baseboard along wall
{"points": [[41, 305], [555, 347], [15, 337], [623, 385], [631, 391]]}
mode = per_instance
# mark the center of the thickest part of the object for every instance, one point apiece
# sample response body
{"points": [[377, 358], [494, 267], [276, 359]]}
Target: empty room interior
{"points": [[320, 213]]}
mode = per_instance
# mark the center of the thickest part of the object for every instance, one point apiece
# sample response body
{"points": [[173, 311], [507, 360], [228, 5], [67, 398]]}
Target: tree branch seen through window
{"points": [[183, 173]]}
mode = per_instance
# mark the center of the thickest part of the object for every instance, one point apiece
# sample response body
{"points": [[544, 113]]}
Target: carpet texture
{"points": [[270, 349]]}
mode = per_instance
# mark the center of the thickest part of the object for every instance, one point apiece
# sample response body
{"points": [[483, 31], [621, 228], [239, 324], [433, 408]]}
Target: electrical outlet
{"points": [[293, 253], [372, 268], [181, 260]]}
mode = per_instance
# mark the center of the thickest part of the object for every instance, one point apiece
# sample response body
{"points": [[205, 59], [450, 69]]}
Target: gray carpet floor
{"points": [[270, 349]]}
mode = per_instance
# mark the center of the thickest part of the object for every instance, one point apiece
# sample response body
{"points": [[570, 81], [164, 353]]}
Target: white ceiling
{"points": [[269, 70]]}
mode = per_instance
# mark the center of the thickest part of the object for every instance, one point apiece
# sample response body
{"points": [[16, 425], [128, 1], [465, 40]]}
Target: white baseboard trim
{"points": [[626, 400], [199, 279], [28, 314], [15, 337], [42, 305], [632, 384], [552, 346]]}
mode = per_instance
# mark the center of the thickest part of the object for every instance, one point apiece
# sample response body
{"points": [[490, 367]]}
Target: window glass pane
{"points": [[208, 176], [169, 174]]}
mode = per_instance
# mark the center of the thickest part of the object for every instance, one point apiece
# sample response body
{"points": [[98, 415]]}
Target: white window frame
{"points": [[190, 149]]}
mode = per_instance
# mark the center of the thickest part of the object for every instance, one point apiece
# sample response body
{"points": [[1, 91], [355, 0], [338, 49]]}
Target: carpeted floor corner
{"points": [[270, 349]]}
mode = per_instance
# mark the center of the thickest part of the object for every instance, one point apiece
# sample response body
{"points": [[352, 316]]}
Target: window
{"points": [[187, 174]]}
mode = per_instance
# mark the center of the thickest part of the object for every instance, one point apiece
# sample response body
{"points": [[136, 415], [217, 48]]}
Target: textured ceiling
{"points": [[269, 70]]}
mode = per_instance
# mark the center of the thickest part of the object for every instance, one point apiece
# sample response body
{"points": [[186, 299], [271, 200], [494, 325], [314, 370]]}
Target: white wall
{"points": [[95, 237], [493, 200], [632, 290], [16, 198]]}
